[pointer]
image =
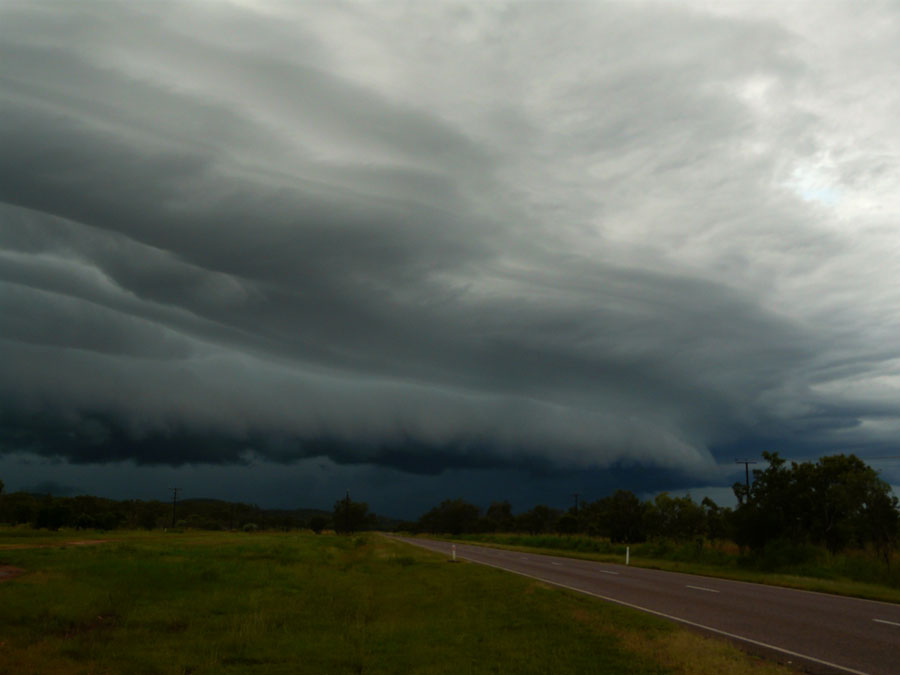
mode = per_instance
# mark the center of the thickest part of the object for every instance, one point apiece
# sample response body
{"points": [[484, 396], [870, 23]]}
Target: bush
{"points": [[317, 524], [784, 554]]}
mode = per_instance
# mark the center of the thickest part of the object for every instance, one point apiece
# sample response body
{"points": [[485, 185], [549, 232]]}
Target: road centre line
{"points": [[889, 623], [607, 572], [486, 547], [553, 562], [733, 636], [701, 588]]}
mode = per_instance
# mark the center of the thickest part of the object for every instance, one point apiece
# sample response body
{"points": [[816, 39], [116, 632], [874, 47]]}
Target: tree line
{"points": [[98, 513], [837, 502]]}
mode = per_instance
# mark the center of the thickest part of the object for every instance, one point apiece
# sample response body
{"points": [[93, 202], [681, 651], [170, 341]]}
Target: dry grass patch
{"points": [[684, 651]]}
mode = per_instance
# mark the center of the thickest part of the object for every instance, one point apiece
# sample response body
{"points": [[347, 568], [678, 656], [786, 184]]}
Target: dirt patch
{"points": [[86, 542], [8, 572], [61, 544]]}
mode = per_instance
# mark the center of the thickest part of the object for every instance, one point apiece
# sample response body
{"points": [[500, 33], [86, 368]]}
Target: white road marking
{"points": [[555, 563], [687, 622], [701, 588], [889, 623], [522, 557], [733, 636], [607, 572]]}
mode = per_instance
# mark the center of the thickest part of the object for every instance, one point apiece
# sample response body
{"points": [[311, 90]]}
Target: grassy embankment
{"points": [[856, 573], [297, 603]]}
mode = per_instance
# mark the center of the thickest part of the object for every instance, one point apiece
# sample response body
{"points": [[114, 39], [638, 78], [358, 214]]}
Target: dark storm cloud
{"points": [[50, 487], [250, 232]]}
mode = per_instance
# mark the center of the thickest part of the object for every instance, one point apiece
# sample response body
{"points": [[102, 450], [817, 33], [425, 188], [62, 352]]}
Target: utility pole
{"points": [[345, 516], [577, 519], [175, 492], [746, 463]]}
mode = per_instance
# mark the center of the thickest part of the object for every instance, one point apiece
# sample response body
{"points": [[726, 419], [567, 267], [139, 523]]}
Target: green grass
{"points": [[856, 573], [297, 603]]}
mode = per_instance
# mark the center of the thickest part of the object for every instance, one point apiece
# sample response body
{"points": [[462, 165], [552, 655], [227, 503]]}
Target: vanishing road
{"points": [[817, 632]]}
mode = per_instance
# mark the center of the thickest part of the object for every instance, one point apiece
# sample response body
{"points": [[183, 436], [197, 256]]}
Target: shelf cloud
{"points": [[448, 236]]}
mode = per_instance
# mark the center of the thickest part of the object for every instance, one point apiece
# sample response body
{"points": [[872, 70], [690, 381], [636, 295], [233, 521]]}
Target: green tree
{"points": [[677, 518], [539, 520], [499, 516], [837, 501], [717, 519], [621, 516], [882, 523], [53, 514], [567, 523], [842, 487], [350, 516], [767, 510], [451, 516]]}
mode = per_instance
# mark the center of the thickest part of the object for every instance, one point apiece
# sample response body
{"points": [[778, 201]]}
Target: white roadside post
{"points": [[627, 554], [453, 552]]}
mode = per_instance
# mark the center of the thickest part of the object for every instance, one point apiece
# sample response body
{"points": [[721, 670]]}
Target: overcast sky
{"points": [[272, 250]]}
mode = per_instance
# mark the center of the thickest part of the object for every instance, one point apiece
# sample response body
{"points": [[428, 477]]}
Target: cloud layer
{"points": [[437, 236]]}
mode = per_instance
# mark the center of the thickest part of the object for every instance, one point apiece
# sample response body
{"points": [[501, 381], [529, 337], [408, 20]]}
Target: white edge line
{"points": [[890, 623], [684, 621], [705, 576], [701, 588], [607, 572]]}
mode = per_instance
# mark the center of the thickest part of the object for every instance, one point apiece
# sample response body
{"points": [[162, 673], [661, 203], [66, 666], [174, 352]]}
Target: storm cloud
{"points": [[449, 236]]}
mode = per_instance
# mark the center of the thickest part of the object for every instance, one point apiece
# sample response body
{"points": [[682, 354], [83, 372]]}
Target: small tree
{"points": [[317, 524]]}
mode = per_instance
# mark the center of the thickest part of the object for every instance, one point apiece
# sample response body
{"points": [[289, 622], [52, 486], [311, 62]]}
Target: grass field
{"points": [[299, 603], [857, 574]]}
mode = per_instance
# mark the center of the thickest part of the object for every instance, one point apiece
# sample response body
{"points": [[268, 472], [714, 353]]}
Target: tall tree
{"points": [[538, 520], [499, 516], [350, 516], [835, 502], [620, 516], [452, 516], [675, 517]]}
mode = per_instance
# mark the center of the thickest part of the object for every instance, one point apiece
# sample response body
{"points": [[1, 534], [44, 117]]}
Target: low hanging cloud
{"points": [[452, 235]]}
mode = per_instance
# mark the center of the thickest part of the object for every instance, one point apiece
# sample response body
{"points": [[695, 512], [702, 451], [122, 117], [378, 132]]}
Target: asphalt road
{"points": [[817, 632]]}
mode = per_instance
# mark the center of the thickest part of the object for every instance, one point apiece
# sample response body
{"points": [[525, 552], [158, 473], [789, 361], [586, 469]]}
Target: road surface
{"points": [[817, 632]]}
